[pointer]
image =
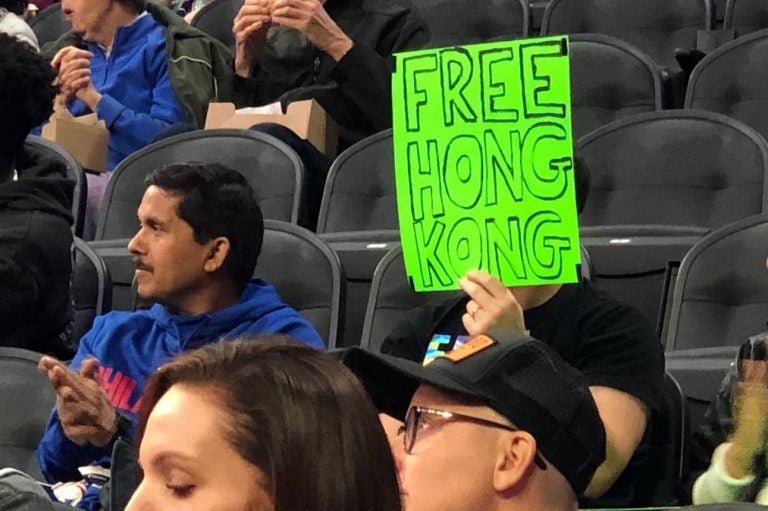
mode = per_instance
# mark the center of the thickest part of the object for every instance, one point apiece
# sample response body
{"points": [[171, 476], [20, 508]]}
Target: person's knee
{"points": [[276, 130]]}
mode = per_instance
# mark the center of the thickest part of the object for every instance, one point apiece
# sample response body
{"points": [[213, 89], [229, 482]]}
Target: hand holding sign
{"points": [[491, 305], [484, 163]]}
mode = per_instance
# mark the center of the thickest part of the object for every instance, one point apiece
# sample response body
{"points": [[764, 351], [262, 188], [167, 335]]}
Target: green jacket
{"points": [[201, 68]]}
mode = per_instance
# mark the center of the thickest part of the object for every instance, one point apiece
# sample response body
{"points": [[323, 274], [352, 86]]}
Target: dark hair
{"points": [[298, 415], [134, 6], [26, 94], [583, 180], [217, 201], [15, 6]]}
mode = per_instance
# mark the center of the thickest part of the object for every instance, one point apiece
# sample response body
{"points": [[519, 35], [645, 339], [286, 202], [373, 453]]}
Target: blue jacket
{"points": [[130, 346], [138, 100]]}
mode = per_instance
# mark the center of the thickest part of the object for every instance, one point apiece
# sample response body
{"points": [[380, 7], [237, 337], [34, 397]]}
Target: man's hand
{"points": [[311, 19], [491, 305], [84, 409], [750, 413], [250, 29]]}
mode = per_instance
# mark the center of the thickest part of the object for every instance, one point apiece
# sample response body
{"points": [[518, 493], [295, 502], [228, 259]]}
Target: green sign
{"points": [[484, 163]]}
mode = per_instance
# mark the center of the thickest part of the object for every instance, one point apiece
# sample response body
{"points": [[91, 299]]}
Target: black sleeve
{"points": [[410, 338], [620, 349], [364, 74], [20, 287]]}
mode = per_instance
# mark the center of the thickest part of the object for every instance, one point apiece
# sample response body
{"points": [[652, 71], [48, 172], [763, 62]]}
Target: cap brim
{"points": [[391, 381]]}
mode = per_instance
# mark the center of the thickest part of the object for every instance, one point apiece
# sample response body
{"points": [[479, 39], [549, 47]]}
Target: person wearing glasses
{"points": [[501, 423]]}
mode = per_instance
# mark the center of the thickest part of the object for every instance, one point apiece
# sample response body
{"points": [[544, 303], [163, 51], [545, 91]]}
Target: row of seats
{"points": [[684, 172], [717, 298]]}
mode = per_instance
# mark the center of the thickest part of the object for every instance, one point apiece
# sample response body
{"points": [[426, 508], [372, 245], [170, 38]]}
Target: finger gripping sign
{"points": [[484, 163]]}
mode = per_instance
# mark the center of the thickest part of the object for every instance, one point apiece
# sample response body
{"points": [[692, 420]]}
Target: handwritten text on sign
{"points": [[484, 163]]}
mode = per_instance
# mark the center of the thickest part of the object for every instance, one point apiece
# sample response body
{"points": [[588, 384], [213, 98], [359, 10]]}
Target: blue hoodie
{"points": [[138, 100], [130, 346]]}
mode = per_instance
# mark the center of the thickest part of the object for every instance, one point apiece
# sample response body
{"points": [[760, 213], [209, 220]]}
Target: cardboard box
{"points": [[306, 118], [86, 138]]}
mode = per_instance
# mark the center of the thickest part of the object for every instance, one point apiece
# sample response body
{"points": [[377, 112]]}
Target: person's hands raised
{"points": [[250, 29], [750, 415], [311, 19], [85, 413]]}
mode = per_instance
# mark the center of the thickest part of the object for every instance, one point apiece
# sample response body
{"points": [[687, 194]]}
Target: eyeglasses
{"points": [[414, 424]]}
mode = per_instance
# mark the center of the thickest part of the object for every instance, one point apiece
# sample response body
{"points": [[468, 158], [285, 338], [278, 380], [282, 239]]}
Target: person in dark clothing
{"points": [[611, 343], [338, 52], [35, 210], [728, 450]]}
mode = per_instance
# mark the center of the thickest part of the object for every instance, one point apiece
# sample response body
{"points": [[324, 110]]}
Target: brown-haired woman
{"points": [[262, 424]]}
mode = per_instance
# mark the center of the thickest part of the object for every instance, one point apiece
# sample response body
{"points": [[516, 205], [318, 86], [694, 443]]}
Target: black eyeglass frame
{"points": [[410, 427]]}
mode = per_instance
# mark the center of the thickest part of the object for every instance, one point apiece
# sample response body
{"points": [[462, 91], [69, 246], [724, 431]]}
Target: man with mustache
{"points": [[200, 236]]}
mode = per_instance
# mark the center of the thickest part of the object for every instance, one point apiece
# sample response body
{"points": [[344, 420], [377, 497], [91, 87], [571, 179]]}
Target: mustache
{"points": [[141, 265]]}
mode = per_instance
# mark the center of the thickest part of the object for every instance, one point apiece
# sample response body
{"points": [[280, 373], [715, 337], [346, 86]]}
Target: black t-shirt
{"points": [[611, 343]]}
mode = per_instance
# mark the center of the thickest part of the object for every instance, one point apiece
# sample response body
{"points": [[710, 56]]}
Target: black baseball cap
{"points": [[517, 376]]}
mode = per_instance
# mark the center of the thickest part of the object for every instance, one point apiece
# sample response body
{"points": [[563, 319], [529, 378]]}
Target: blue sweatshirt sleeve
{"points": [[57, 456], [131, 129], [298, 328]]}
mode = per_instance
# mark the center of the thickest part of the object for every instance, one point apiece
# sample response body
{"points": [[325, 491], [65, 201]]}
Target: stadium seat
{"points": [[305, 271], [307, 274], [91, 289], [746, 16], [631, 263], [74, 172], [633, 85], [660, 28], [685, 171], [454, 22], [391, 297], [49, 24], [272, 167], [26, 399], [730, 81], [358, 218], [721, 293], [359, 193], [657, 27], [216, 19]]}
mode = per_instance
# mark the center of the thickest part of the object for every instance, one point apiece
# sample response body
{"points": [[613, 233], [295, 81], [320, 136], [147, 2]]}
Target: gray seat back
{"points": [[680, 169], [657, 27], [272, 168], [359, 193], [721, 295], [632, 86], [730, 81], [26, 399]]}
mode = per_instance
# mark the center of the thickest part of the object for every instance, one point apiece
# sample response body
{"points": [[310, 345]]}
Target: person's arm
{"points": [[133, 128], [137, 129], [364, 73], [625, 418], [58, 456], [716, 485], [622, 360]]}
